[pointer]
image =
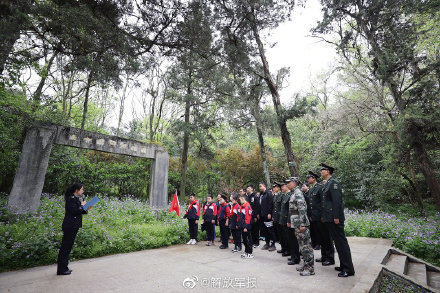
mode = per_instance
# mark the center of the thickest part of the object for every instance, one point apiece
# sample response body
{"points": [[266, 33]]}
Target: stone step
{"points": [[417, 271], [434, 279], [397, 263]]}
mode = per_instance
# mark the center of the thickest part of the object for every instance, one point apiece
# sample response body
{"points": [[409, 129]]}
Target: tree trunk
{"points": [[121, 107], [185, 143], [256, 114], [285, 135], [86, 99], [38, 92], [424, 163], [416, 142], [86, 103], [152, 113], [415, 195]]}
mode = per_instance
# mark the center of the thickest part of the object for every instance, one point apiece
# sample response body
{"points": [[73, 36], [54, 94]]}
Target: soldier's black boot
{"points": [[328, 263], [293, 262]]}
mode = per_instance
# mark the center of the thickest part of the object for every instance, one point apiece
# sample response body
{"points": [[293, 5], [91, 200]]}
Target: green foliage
{"points": [[98, 172], [12, 105], [415, 235], [112, 226]]}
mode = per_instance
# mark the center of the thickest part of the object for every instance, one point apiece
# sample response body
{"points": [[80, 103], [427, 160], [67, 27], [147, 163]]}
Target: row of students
{"points": [[235, 219]]}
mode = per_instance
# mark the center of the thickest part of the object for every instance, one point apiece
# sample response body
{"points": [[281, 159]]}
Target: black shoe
{"points": [[68, 272], [328, 263], [280, 251], [265, 247], [293, 262], [344, 274], [272, 248], [222, 247], [339, 269], [317, 247], [285, 253], [318, 259]]}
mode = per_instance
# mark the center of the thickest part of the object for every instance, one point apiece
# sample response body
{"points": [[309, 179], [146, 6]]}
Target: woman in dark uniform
{"points": [[71, 224]]}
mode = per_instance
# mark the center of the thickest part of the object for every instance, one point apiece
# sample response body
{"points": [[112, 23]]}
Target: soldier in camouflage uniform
{"points": [[292, 241], [299, 220]]}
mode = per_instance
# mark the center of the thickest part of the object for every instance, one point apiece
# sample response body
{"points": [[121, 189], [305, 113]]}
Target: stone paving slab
{"points": [[164, 270]]}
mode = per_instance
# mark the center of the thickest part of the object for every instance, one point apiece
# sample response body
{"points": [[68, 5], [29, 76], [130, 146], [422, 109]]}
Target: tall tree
{"points": [[242, 23], [389, 37], [192, 77]]}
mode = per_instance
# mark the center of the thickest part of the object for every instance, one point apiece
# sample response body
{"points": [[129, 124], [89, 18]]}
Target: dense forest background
{"points": [[205, 91]]}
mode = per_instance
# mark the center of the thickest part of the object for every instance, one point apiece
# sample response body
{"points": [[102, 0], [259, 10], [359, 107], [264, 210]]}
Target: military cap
{"points": [[327, 167], [275, 183], [294, 179], [310, 173]]}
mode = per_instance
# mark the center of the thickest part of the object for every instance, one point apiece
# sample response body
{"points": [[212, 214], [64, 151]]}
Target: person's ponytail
{"points": [[71, 190]]}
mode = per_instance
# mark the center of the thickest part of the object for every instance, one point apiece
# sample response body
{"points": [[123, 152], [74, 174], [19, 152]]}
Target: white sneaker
{"points": [[189, 242], [249, 255], [243, 255], [194, 242]]}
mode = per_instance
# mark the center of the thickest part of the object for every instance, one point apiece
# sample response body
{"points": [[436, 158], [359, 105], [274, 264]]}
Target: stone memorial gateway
{"points": [[34, 158]]}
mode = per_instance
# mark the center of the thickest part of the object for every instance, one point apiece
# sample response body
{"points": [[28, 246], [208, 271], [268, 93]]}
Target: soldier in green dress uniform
{"points": [[333, 217], [315, 194], [277, 198]]}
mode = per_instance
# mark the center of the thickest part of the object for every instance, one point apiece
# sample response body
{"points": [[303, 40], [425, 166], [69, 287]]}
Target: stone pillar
{"points": [[159, 181], [29, 178]]}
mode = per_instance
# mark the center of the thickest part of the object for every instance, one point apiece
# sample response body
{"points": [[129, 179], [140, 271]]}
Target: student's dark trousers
{"points": [[224, 232], [236, 234], [193, 229], [338, 235], [255, 231], [66, 246], [247, 241], [210, 231]]}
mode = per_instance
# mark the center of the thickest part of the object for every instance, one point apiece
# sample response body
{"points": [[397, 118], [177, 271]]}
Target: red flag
{"points": [[175, 204]]}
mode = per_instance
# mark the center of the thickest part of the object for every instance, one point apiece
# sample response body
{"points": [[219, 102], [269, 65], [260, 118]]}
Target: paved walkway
{"points": [[164, 270]]}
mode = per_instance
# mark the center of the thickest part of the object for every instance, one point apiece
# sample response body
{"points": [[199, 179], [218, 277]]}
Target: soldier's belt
{"points": [[294, 212]]}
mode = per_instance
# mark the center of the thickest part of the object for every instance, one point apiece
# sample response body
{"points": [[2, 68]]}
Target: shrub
{"points": [[112, 226]]}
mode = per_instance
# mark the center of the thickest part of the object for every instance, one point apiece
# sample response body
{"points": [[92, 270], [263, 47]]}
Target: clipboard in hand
{"points": [[91, 203]]}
